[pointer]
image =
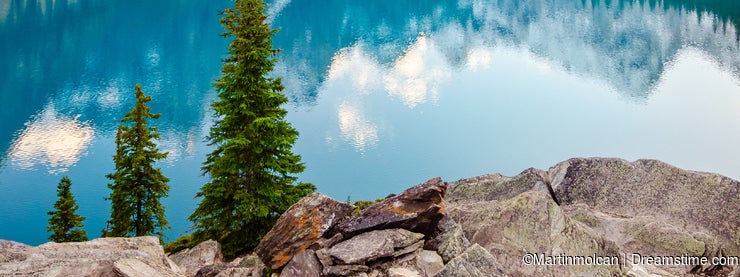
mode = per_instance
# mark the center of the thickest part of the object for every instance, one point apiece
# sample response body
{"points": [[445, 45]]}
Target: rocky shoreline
{"points": [[481, 226]]}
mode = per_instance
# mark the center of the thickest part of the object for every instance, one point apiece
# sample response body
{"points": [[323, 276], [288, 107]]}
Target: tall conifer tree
{"points": [[252, 166], [137, 185], [64, 223]]}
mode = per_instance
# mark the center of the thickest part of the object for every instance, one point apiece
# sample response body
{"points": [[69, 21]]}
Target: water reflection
{"points": [[416, 75], [355, 128], [66, 58], [384, 93], [52, 140], [4, 10], [626, 43], [354, 66], [65, 51]]}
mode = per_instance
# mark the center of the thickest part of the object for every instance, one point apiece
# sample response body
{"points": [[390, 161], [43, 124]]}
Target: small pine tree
{"points": [[137, 185], [252, 165], [64, 222]]}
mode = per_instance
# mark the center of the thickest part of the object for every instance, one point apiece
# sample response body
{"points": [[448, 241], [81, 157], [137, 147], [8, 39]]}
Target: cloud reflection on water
{"points": [[415, 76], [52, 140], [626, 49], [625, 43], [355, 128]]}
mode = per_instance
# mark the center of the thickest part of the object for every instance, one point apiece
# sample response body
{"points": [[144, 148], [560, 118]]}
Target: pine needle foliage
{"points": [[252, 166], [137, 185], [64, 222]]}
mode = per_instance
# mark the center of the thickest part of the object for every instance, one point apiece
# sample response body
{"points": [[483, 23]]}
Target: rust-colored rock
{"points": [[299, 227], [417, 209]]}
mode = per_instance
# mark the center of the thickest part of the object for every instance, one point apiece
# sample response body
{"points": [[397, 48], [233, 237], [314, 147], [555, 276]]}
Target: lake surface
{"points": [[385, 94]]}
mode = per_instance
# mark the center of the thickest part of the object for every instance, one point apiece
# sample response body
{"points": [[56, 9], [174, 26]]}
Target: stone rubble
{"points": [[481, 226]]}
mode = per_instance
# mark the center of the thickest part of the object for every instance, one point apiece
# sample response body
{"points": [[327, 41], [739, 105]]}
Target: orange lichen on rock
{"points": [[416, 209], [299, 227]]}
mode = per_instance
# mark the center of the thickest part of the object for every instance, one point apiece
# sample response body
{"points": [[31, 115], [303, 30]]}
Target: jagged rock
{"points": [[203, 254], [299, 227], [409, 249], [696, 201], [448, 240], [417, 263], [474, 262], [532, 222], [409, 261], [327, 242], [373, 245], [303, 264], [652, 208], [417, 209], [324, 257], [452, 243], [98, 257], [646, 207], [495, 187]]}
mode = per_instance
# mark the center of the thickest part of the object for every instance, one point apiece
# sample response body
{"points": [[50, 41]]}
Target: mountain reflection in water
{"points": [[385, 94], [627, 43]]}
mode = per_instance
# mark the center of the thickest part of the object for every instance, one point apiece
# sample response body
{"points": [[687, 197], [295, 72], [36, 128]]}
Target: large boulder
{"points": [[532, 222], [417, 209], [698, 202], [299, 227], [646, 207], [138, 256], [203, 254], [495, 187]]}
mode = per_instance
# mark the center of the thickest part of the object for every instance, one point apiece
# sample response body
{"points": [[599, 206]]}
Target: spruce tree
{"points": [[64, 221], [252, 166], [137, 185]]}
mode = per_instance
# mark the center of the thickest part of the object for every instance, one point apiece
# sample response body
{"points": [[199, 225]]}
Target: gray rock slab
{"points": [[373, 245], [97, 257]]}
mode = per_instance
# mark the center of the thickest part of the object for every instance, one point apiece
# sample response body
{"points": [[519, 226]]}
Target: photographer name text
{"points": [[634, 258]]}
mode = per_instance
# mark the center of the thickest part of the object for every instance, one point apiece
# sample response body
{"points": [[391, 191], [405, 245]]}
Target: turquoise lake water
{"points": [[385, 94]]}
